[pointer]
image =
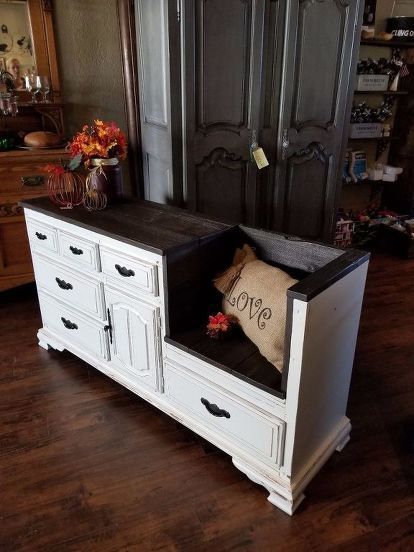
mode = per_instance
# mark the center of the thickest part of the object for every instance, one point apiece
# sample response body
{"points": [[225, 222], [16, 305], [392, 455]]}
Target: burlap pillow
{"points": [[255, 293]]}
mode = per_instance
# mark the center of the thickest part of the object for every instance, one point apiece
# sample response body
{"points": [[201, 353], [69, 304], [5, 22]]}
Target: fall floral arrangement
{"points": [[102, 140], [220, 325]]}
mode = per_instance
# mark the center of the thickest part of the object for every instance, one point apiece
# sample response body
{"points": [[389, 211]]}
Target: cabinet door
{"points": [[319, 67], [135, 336], [223, 88]]}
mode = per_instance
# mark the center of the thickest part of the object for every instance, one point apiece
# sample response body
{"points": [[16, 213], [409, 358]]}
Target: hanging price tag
{"points": [[260, 158]]}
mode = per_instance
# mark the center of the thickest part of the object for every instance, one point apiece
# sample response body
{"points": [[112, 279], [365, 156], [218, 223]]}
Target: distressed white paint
{"points": [[279, 444]]}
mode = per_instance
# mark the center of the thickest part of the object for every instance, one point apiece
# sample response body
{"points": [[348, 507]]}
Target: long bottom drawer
{"points": [[238, 422], [73, 327]]}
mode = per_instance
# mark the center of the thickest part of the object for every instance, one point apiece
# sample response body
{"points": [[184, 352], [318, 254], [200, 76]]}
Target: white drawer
{"points": [[130, 270], [237, 421], [69, 286], [79, 252], [42, 236], [73, 327]]}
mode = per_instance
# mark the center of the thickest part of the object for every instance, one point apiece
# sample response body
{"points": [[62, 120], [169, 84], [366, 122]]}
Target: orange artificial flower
{"points": [[101, 139]]}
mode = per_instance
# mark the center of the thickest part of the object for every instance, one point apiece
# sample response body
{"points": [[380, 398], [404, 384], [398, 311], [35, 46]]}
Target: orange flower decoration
{"points": [[101, 139], [220, 324]]}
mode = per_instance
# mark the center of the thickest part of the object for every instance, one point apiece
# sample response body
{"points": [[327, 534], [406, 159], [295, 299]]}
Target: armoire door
{"points": [[214, 72], [229, 58], [322, 38]]}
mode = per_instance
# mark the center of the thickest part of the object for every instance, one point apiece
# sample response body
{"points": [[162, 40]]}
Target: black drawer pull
{"points": [[127, 272], [68, 324], [108, 327], [41, 236], [62, 284], [214, 409], [75, 250], [32, 180]]}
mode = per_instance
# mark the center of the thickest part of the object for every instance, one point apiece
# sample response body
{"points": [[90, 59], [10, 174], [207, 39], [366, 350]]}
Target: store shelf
{"points": [[367, 182], [383, 138], [387, 43], [383, 93]]}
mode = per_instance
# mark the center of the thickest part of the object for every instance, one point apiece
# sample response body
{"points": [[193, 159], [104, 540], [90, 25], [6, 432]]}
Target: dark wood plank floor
{"points": [[87, 466]]}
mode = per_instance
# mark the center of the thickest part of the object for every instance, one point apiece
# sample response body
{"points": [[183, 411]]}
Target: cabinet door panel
{"points": [[135, 350], [222, 87], [320, 61]]}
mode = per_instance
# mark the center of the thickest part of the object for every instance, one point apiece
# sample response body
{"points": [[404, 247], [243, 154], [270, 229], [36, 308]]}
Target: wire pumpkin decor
{"points": [[94, 199], [66, 189]]}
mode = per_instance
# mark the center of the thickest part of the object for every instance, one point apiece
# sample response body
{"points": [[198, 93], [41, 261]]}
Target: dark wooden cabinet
{"points": [[22, 176], [213, 75], [22, 173]]}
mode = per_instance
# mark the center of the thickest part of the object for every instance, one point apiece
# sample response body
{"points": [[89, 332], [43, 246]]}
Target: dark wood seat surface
{"points": [[151, 226], [235, 354]]}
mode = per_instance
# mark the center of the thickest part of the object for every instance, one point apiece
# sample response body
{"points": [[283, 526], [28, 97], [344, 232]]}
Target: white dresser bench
{"points": [[128, 290]]}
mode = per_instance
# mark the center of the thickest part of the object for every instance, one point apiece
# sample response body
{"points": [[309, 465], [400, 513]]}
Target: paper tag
{"points": [[260, 158]]}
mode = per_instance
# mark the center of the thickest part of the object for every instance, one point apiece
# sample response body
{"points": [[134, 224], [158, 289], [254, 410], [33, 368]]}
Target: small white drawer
{"points": [[42, 237], [130, 270], [79, 251], [69, 286], [237, 421], [74, 328]]}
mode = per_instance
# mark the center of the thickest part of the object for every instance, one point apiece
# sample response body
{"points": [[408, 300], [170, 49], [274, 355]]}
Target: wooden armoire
{"points": [[215, 76]]}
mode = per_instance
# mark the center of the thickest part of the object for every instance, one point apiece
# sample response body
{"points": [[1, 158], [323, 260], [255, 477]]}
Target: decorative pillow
{"points": [[255, 293]]}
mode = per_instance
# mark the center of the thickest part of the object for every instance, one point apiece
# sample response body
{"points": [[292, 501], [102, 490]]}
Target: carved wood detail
{"points": [[315, 150], [53, 115], [10, 210], [222, 158]]}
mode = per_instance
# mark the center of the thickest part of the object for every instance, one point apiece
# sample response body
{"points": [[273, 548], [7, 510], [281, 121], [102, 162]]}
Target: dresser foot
{"points": [[344, 439], [285, 504], [340, 447], [280, 495], [48, 342]]}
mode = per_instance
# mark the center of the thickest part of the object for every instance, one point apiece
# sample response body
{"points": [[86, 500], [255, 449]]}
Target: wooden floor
{"points": [[87, 466]]}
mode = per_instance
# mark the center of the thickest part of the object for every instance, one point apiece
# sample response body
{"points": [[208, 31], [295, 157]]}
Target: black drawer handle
{"points": [[215, 410], [75, 250], [108, 327], [62, 284], [127, 272], [41, 236], [32, 180], [68, 324]]}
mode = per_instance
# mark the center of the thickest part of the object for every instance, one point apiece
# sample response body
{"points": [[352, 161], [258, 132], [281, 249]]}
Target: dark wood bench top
{"points": [[151, 226]]}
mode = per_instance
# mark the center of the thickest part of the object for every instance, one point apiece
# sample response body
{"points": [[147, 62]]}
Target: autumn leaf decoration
{"points": [[220, 325], [102, 139]]}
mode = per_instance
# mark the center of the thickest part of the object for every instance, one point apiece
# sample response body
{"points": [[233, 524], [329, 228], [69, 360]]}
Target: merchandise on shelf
{"points": [[358, 166], [343, 233]]}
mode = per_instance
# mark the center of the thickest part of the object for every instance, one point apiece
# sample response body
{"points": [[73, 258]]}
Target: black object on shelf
{"points": [[383, 92], [389, 43]]}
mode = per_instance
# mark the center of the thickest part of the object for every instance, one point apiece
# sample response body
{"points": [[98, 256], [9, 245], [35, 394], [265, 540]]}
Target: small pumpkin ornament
{"points": [[94, 199], [66, 188]]}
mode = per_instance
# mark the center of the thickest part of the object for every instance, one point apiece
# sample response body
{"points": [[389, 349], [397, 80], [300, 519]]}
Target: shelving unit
{"points": [[379, 145]]}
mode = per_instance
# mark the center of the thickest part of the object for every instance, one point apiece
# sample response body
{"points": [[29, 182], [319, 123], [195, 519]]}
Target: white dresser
{"points": [[116, 287]]}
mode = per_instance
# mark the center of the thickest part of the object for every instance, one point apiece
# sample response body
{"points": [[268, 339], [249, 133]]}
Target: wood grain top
{"points": [[151, 226], [7, 156]]}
